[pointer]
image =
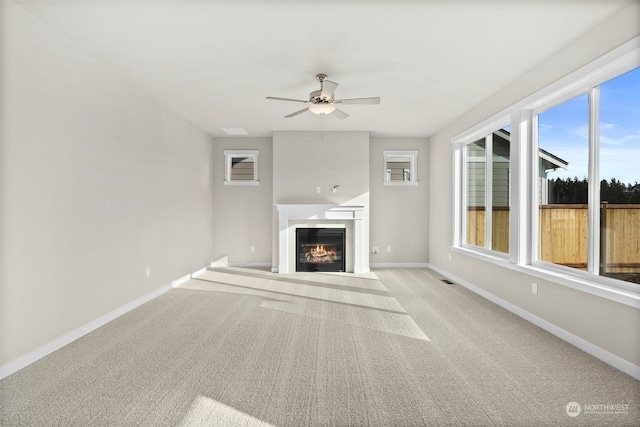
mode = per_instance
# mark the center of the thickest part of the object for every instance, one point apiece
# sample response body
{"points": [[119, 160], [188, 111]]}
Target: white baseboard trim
{"points": [[56, 344], [197, 273], [399, 265], [222, 262], [250, 264], [181, 280], [584, 345]]}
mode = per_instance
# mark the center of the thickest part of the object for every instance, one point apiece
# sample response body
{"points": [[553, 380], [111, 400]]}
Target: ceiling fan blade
{"points": [[340, 114], [296, 113], [286, 99], [328, 88], [372, 100]]}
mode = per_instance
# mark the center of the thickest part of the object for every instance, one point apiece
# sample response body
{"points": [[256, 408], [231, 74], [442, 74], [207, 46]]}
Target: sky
{"points": [[564, 130]]}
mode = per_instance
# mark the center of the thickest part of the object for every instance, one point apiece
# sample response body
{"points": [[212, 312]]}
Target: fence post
{"points": [[603, 237]]}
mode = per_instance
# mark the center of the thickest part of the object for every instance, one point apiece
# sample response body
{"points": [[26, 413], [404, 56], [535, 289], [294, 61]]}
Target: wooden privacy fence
{"points": [[563, 235], [499, 230], [620, 238]]}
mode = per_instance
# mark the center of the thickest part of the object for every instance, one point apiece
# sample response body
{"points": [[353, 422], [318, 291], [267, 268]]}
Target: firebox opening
{"points": [[320, 249]]}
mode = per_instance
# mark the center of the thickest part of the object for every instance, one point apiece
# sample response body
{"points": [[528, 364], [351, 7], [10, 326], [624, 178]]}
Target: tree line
{"points": [[574, 190]]}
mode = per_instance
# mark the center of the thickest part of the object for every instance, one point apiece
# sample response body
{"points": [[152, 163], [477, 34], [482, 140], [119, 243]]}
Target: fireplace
{"points": [[351, 218], [320, 249]]}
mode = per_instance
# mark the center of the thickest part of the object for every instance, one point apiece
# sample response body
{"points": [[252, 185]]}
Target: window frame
{"points": [[413, 166], [592, 238], [496, 126], [523, 241], [229, 155]]}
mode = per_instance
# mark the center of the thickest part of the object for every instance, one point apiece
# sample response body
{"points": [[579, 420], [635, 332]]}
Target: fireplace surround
{"points": [[291, 217]]}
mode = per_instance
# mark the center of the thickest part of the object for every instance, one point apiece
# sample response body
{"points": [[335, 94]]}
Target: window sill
{"points": [[242, 183], [401, 183], [610, 289]]}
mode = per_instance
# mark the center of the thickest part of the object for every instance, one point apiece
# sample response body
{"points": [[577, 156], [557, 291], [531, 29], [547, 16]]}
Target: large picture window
{"points": [[589, 209], [619, 176], [562, 183], [558, 190]]}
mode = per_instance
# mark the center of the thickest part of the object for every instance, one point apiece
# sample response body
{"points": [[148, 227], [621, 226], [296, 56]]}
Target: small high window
{"points": [[241, 167], [400, 167]]}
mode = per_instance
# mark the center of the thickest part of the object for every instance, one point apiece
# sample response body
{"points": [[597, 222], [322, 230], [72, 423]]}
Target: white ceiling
{"points": [[214, 61]]}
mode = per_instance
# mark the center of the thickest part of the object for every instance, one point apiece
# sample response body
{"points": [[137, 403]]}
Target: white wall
{"points": [[611, 326], [399, 214], [242, 217], [99, 182], [303, 161]]}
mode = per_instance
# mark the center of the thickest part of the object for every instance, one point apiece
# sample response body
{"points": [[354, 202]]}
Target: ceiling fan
{"points": [[323, 101]]}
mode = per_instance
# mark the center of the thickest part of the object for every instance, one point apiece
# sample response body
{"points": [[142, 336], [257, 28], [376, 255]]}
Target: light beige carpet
{"points": [[248, 347]]}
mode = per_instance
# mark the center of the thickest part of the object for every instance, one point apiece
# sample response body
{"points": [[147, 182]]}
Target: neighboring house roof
{"points": [[550, 161]]}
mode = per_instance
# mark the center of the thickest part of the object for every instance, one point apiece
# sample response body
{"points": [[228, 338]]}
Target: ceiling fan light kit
{"points": [[322, 108], [323, 101]]}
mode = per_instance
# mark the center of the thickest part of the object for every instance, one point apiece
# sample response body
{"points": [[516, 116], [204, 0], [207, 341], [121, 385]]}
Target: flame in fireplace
{"points": [[320, 254], [319, 251]]}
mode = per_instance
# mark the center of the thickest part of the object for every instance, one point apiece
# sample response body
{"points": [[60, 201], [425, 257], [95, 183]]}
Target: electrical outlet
{"points": [[534, 288], [374, 250], [252, 249], [449, 257], [317, 189], [148, 272], [388, 248]]}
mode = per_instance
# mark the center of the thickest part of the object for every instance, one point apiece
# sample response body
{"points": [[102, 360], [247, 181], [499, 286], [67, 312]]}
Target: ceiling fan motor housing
{"points": [[315, 97]]}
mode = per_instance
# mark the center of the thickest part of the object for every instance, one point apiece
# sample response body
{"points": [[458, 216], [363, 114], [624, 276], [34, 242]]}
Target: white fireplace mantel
{"points": [[287, 212]]}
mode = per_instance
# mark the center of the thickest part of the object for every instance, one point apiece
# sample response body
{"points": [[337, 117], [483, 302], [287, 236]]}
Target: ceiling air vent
{"points": [[234, 131]]}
